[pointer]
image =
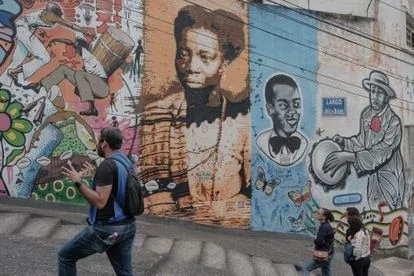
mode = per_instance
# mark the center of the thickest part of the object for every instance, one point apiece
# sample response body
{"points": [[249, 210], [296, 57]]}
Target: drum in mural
{"points": [[318, 155], [112, 47]]}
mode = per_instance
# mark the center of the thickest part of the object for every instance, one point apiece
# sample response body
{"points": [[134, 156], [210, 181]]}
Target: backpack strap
{"points": [[129, 169]]}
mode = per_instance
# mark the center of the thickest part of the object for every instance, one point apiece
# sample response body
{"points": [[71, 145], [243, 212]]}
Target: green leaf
{"points": [[15, 155]]}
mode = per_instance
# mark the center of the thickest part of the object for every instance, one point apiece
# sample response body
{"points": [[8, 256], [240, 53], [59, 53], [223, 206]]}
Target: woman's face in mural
{"points": [[199, 62], [9, 9], [378, 98], [285, 109]]}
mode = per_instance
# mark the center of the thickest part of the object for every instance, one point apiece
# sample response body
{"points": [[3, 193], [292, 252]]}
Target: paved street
{"points": [[32, 236]]}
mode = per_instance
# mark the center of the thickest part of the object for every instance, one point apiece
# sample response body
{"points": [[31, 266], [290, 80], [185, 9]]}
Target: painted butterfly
{"points": [[298, 198], [263, 185], [297, 223]]}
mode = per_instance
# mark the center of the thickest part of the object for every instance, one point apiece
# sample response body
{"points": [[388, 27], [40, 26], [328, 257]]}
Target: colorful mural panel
{"points": [[72, 69], [196, 107], [283, 99]]}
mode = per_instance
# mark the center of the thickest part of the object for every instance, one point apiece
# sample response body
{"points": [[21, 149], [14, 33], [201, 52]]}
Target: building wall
{"points": [[192, 105]]}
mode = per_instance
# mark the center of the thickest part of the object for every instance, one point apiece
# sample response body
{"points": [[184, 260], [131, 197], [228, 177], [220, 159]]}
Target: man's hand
{"points": [[336, 159], [338, 139], [88, 169], [71, 173]]}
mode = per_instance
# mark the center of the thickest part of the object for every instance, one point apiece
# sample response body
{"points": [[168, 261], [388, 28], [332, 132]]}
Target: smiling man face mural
{"points": [[284, 109], [9, 10], [283, 144]]}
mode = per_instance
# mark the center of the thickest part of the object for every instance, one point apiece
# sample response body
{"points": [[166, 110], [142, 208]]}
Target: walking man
{"points": [[110, 229]]}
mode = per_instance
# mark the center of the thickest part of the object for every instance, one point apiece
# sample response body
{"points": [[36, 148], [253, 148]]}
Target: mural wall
{"points": [[71, 69], [196, 107], [236, 113], [283, 102]]}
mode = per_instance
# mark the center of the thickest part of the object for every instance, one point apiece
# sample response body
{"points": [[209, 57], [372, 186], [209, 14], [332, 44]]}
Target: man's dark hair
{"points": [[227, 26], [352, 211], [277, 79], [112, 136], [355, 225]]}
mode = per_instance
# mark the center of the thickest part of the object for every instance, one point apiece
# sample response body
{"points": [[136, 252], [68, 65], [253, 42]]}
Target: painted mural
{"points": [[222, 106], [72, 68], [283, 100], [196, 106], [366, 170]]}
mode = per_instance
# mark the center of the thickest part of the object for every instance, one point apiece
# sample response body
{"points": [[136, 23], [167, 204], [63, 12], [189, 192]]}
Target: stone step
{"points": [[11, 222], [186, 251], [239, 264], [264, 267], [139, 239], [171, 268], [160, 246], [286, 269], [39, 227], [213, 256], [67, 232]]}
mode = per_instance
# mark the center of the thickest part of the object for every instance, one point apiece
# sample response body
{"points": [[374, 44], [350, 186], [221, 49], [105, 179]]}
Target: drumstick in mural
{"points": [[376, 150]]}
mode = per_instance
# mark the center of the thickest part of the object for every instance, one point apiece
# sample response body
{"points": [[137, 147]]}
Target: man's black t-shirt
{"points": [[107, 174]]}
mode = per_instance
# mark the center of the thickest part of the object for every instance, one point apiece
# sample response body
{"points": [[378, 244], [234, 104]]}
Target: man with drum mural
{"points": [[283, 144], [28, 43], [90, 83], [375, 150]]}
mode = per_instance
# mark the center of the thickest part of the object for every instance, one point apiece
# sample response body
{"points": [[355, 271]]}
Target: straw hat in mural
{"points": [[379, 79]]}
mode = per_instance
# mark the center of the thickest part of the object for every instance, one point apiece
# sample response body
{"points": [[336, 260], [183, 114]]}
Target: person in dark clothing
{"points": [[350, 211], [358, 236], [110, 229], [324, 242]]}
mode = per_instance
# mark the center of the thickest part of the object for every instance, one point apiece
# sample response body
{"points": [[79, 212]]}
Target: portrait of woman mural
{"points": [[201, 160]]}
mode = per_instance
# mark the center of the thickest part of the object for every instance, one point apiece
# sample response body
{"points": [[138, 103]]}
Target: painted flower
{"points": [[12, 127]]}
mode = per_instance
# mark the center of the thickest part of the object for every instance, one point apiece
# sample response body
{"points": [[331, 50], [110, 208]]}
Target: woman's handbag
{"points": [[348, 252], [320, 256]]}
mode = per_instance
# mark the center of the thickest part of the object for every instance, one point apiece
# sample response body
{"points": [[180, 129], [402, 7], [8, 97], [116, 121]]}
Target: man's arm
{"points": [[98, 198], [370, 159], [357, 142]]}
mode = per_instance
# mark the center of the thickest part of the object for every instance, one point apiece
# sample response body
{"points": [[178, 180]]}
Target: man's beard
{"points": [[101, 152]]}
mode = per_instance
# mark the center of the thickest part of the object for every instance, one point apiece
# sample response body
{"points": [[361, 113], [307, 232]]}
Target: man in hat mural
{"points": [[375, 150]]}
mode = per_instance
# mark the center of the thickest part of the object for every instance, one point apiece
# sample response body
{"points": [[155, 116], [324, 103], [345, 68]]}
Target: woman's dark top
{"points": [[325, 238]]}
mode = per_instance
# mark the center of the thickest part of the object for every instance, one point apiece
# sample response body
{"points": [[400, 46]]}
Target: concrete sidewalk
{"points": [[32, 232]]}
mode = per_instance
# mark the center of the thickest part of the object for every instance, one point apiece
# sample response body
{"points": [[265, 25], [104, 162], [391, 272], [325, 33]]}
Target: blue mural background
{"points": [[278, 212]]}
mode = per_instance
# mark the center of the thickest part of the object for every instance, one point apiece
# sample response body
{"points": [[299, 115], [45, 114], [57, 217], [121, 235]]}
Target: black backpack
{"points": [[134, 195]]}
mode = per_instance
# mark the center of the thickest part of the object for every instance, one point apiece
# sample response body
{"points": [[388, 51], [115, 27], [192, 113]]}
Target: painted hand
{"points": [[71, 173], [337, 159], [338, 139], [88, 169]]}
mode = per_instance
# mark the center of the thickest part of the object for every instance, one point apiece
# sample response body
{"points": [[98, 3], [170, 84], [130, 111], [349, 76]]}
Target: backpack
{"points": [[348, 252], [134, 195]]}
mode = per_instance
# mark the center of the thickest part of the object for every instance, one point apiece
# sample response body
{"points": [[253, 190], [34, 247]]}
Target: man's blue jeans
{"points": [[94, 239], [312, 265]]}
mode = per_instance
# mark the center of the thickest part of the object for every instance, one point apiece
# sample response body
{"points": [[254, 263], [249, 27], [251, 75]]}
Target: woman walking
{"points": [[323, 242], [358, 236]]}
